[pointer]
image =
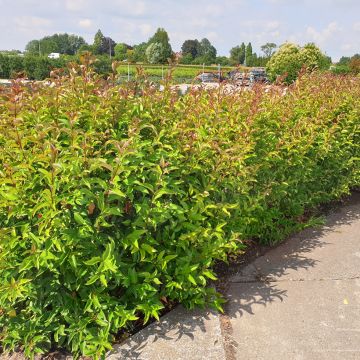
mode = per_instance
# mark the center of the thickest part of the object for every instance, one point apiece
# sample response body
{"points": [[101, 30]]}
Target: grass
{"points": [[177, 72]]}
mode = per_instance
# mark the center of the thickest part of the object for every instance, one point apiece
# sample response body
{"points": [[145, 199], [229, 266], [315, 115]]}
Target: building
{"points": [[54, 55]]}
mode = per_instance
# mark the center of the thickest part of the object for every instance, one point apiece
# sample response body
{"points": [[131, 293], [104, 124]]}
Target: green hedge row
{"points": [[117, 200], [39, 67]]}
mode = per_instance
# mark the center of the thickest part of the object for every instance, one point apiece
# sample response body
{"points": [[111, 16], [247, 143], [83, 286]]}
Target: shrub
{"points": [[354, 65], [290, 59], [116, 200]]}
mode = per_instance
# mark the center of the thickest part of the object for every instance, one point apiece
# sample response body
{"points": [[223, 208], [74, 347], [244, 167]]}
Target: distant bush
{"points": [[290, 59], [39, 67], [340, 69], [354, 65], [117, 200]]}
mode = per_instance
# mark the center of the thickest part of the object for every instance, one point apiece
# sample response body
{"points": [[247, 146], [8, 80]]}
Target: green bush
{"points": [[116, 200], [290, 59]]}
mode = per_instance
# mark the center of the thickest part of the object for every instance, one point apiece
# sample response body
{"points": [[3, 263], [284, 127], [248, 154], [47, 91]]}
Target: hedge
{"points": [[117, 200]]}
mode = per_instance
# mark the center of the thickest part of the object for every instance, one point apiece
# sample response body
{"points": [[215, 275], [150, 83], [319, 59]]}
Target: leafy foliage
{"points": [[61, 43], [290, 59], [99, 40], [354, 64], [237, 54], [156, 53], [121, 51], [115, 200], [159, 48], [268, 49], [191, 47]]}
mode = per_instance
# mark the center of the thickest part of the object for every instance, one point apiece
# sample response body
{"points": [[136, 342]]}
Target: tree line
{"points": [[157, 50], [286, 59]]}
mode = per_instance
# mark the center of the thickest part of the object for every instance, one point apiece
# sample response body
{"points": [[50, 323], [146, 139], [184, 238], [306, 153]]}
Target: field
{"points": [[117, 200], [179, 73]]}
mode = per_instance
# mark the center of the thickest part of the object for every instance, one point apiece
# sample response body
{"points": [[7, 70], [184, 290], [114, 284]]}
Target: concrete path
{"points": [[299, 301]]}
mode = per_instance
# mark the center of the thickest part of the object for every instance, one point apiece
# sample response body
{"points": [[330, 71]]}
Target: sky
{"points": [[334, 25]]}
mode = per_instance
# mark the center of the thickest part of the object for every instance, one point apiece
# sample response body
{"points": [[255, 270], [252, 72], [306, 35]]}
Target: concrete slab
{"points": [[301, 300], [181, 334], [295, 320], [331, 251]]}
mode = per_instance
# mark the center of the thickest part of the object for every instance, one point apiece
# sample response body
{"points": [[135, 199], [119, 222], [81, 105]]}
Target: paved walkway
{"points": [[299, 301]]}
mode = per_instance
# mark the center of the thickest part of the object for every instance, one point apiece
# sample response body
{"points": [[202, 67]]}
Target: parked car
{"points": [[209, 77], [258, 75], [239, 78]]}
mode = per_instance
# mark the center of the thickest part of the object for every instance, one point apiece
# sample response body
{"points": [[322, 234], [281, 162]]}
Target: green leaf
{"points": [[94, 260], [209, 274], [79, 219], [191, 279]]}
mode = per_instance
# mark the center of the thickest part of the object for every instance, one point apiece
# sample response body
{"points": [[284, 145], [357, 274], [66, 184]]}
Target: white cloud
{"points": [[128, 7], [213, 10], [146, 29], [75, 5], [85, 23], [272, 25], [356, 26], [212, 36], [347, 47], [31, 22], [321, 37]]}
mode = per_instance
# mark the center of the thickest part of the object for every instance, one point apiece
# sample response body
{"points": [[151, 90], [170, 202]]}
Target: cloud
{"points": [[75, 5], [356, 26], [213, 10], [272, 25], [85, 23], [31, 22], [146, 29], [323, 36], [347, 47], [128, 7], [212, 35]]}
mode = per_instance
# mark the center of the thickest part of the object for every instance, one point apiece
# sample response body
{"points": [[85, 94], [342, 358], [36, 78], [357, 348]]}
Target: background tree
{"points": [[252, 60], [156, 53], [74, 44], [268, 49], [32, 47], [121, 51], [191, 47], [248, 54], [98, 41], [139, 52], [237, 54], [207, 53], [86, 47], [60, 43], [290, 58], [162, 37], [354, 64], [285, 61], [223, 61], [311, 57], [107, 46], [344, 60], [186, 59]]}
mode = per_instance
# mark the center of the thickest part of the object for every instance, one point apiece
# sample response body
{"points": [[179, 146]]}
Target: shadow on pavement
{"points": [[177, 326], [256, 283]]}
